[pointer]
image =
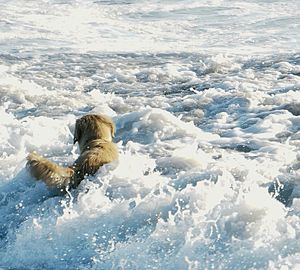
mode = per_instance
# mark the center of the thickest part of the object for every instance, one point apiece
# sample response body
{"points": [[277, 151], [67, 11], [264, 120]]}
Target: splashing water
{"points": [[205, 96]]}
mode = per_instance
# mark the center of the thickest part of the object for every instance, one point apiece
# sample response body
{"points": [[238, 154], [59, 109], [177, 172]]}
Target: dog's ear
{"points": [[107, 121], [113, 129], [78, 130]]}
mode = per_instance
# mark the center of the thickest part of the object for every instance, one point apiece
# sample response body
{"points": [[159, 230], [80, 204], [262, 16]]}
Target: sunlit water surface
{"points": [[205, 96]]}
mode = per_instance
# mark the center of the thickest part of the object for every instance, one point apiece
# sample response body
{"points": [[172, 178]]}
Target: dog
{"points": [[94, 134]]}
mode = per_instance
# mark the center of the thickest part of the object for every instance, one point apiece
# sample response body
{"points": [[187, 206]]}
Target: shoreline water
{"points": [[204, 134]]}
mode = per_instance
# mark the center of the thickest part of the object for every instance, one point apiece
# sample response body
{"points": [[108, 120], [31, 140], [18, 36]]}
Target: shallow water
{"points": [[205, 96]]}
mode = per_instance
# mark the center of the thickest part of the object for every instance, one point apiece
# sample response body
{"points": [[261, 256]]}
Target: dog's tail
{"points": [[52, 174]]}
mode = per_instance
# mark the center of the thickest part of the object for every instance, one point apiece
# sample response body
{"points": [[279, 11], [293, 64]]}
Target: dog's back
{"points": [[91, 160]]}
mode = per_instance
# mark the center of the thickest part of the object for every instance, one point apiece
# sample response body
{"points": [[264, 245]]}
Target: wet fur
{"points": [[94, 135]]}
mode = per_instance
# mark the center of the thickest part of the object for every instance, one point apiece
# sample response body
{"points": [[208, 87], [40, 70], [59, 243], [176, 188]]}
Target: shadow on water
{"points": [[282, 192], [20, 199], [273, 62], [232, 105]]}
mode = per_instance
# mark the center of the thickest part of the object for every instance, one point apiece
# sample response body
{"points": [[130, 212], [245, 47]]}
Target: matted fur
{"points": [[94, 135]]}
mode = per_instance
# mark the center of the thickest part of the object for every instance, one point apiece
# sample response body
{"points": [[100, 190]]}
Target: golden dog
{"points": [[94, 135]]}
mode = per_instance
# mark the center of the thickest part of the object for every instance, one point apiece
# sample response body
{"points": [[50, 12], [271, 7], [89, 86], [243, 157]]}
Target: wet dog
{"points": [[94, 134]]}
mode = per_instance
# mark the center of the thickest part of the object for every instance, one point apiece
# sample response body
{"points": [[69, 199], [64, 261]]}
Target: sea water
{"points": [[205, 96]]}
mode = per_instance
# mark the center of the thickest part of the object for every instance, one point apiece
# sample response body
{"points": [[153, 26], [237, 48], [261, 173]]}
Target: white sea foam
{"points": [[205, 96]]}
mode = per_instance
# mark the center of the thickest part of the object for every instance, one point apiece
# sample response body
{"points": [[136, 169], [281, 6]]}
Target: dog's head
{"points": [[92, 127]]}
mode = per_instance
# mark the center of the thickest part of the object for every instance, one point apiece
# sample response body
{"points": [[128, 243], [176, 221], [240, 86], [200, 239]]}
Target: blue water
{"points": [[205, 96]]}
